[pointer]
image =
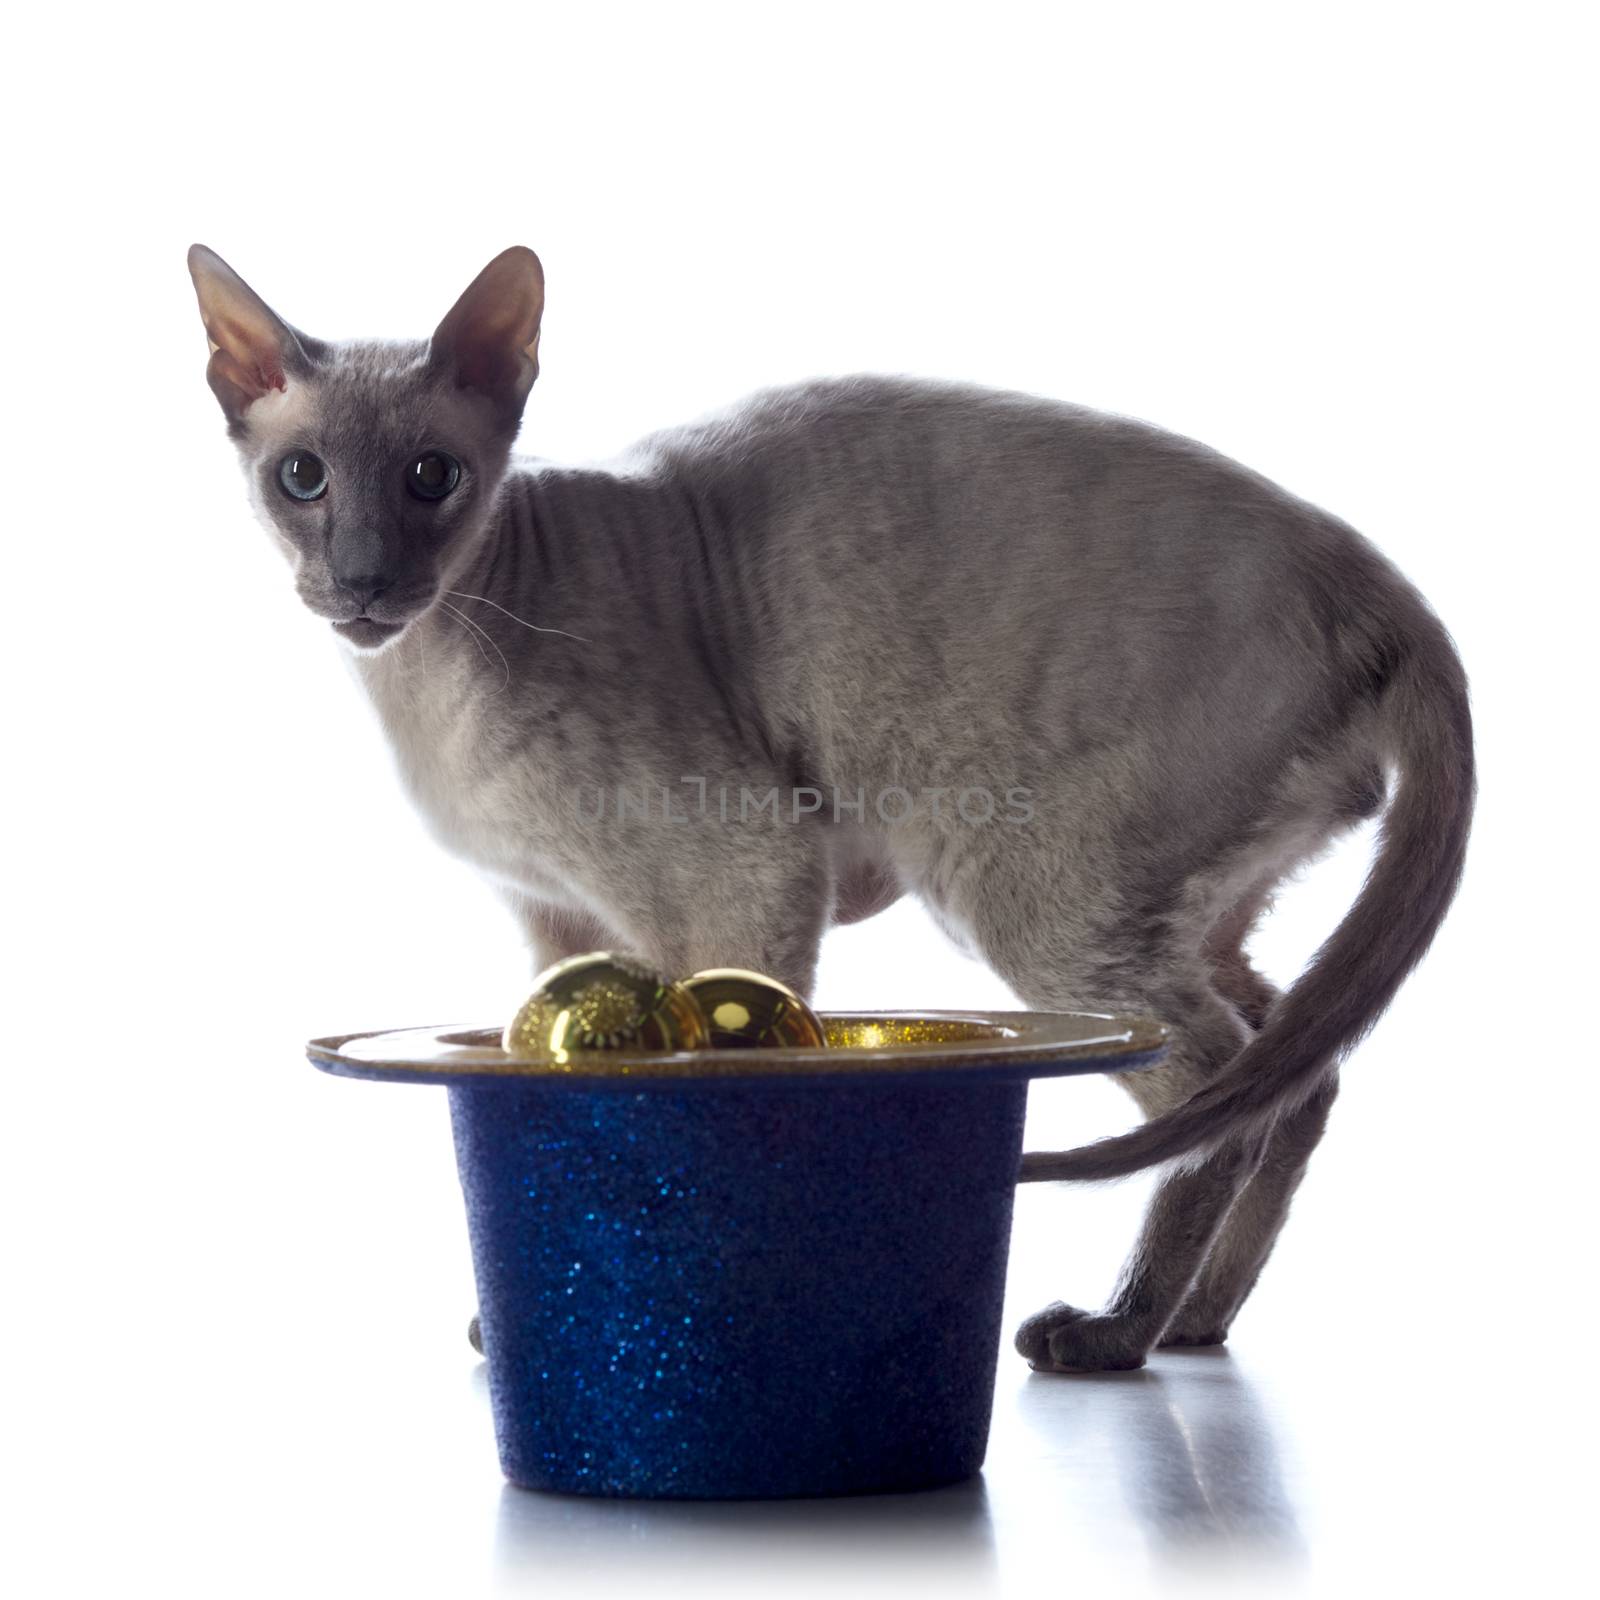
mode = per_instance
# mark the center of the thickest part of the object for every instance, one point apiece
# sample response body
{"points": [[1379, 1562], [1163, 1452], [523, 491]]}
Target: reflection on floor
{"points": [[1180, 1457]]}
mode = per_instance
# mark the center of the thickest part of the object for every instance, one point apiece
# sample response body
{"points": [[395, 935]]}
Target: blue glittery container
{"points": [[746, 1273]]}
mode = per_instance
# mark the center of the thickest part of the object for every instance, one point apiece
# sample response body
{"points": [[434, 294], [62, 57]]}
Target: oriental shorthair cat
{"points": [[1088, 689]]}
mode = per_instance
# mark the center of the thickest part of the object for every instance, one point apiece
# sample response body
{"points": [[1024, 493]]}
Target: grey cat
{"points": [[1088, 689]]}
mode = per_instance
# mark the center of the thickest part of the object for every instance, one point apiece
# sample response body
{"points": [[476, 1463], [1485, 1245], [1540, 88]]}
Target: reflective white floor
{"points": [[1149, 1479]]}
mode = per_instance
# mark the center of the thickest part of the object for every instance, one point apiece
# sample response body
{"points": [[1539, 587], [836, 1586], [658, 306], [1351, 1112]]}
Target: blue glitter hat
{"points": [[731, 1274]]}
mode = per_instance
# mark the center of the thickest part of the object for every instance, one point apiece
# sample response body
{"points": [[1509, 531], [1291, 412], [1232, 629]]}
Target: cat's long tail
{"points": [[1355, 974]]}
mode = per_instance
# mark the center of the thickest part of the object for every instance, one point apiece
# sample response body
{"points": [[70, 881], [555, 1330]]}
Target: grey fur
{"points": [[875, 584]]}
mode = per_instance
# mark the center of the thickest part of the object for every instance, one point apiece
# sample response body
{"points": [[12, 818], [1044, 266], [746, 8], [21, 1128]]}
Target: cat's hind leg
{"points": [[1072, 946], [1233, 976], [1255, 1219], [1253, 1223], [1184, 1218], [1191, 1202]]}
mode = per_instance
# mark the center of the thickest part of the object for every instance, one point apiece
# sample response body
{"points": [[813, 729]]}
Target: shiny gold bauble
{"points": [[603, 1002], [747, 1010]]}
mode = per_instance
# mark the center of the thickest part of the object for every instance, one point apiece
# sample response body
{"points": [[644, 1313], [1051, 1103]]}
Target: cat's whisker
{"points": [[475, 633], [470, 631], [531, 626], [480, 637], [481, 633]]}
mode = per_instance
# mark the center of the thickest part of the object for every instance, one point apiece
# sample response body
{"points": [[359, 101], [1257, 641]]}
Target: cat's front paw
{"points": [[1062, 1338]]}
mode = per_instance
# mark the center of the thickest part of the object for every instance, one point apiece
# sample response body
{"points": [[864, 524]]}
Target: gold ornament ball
{"points": [[603, 1001], [748, 1010]]}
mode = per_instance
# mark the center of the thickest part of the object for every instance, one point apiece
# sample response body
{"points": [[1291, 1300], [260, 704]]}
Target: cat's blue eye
{"points": [[433, 476], [303, 476]]}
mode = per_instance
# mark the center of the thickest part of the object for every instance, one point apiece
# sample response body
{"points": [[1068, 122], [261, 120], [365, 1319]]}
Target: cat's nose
{"points": [[364, 589]]}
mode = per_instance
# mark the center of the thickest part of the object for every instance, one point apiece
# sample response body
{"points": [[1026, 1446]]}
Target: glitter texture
{"points": [[740, 1290]]}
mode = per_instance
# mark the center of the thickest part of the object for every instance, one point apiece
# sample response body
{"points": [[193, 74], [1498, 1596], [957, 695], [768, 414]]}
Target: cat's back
{"points": [[922, 531], [862, 416], [958, 455]]}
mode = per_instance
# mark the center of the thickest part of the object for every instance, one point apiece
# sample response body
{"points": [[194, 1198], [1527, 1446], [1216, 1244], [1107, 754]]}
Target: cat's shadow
{"points": [[1196, 1469]]}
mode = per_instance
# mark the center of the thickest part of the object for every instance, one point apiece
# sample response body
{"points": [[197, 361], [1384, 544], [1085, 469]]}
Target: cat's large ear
{"points": [[489, 339], [253, 350]]}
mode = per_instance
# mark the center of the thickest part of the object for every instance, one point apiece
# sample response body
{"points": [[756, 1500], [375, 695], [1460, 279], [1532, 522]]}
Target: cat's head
{"points": [[374, 464]]}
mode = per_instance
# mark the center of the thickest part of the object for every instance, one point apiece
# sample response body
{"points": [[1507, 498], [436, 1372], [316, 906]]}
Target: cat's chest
{"points": [[480, 783]]}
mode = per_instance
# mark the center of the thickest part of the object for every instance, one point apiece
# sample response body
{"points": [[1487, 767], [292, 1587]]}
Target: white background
{"points": [[1344, 244]]}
